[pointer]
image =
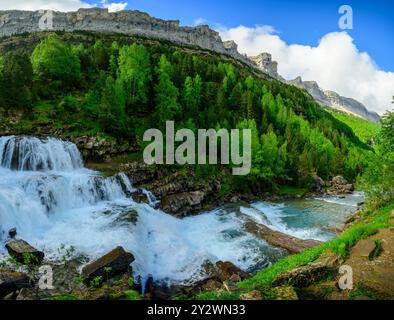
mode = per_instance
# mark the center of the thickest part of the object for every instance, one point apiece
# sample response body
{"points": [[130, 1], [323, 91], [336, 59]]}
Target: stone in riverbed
{"points": [[24, 253], [112, 264], [279, 239], [11, 281]]}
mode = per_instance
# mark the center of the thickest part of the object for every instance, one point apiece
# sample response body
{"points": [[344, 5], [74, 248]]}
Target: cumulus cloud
{"points": [[114, 6], [335, 63], [57, 5]]}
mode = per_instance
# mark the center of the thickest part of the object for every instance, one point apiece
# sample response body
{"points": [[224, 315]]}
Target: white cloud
{"points": [[57, 5], [335, 63], [200, 21], [114, 6]]}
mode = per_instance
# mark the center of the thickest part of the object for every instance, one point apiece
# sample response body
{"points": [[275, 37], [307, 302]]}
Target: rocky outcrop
{"points": [[11, 281], [181, 193], [264, 62], [114, 263], [341, 185], [279, 239], [24, 253], [95, 147]]}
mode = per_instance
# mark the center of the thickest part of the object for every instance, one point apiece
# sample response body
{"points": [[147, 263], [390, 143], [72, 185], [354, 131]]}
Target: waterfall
{"points": [[33, 154], [53, 201]]}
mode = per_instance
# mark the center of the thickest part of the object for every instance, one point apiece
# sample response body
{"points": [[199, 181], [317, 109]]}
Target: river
{"points": [[54, 202]]}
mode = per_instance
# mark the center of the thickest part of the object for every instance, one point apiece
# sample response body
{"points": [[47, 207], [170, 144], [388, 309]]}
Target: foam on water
{"points": [[53, 201]]}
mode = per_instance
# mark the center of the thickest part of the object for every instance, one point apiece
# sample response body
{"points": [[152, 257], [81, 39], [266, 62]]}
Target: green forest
{"points": [[122, 88]]}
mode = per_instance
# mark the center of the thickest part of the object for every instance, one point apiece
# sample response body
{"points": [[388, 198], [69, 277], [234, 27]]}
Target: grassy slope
{"points": [[369, 224], [364, 130]]}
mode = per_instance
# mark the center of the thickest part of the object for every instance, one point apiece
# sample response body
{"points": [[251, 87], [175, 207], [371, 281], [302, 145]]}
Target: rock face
{"points": [[341, 185], [94, 147], [278, 239], [11, 281], [334, 100], [24, 253], [265, 63], [112, 264], [181, 193]]}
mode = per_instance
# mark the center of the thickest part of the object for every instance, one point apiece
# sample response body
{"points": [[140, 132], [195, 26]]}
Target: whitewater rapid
{"points": [[54, 202]]}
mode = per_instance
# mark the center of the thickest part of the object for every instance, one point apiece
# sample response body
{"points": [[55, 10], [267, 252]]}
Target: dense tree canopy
{"points": [[122, 89]]}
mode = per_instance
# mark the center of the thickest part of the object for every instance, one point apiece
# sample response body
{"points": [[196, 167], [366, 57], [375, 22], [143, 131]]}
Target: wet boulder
{"points": [[24, 253], [279, 239], [11, 281], [114, 263]]}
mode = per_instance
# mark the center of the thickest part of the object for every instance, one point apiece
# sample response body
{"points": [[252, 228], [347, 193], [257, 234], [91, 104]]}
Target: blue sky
{"points": [[302, 22]]}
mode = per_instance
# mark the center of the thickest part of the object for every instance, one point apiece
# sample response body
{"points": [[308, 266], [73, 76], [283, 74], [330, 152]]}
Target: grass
{"points": [[370, 223], [363, 129]]}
